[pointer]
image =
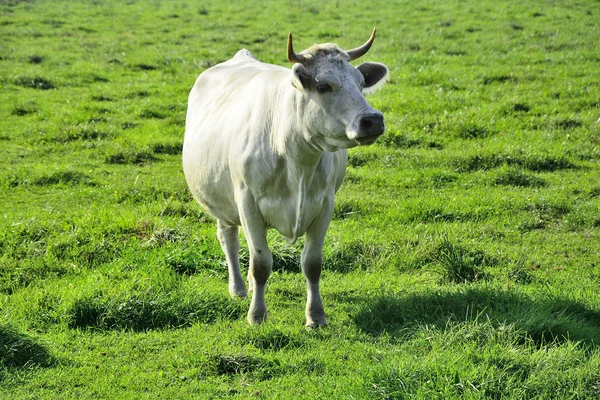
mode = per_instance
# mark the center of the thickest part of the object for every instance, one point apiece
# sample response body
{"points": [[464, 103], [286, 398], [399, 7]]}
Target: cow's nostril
{"points": [[371, 125], [366, 123]]}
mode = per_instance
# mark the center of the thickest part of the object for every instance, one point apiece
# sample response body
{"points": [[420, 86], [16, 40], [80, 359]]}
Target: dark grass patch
{"points": [[456, 52], [144, 194], [285, 258], [163, 236], [167, 148], [151, 309], [89, 78], [351, 177], [101, 97], [144, 67], [519, 108], [17, 273], [442, 179], [21, 351], [521, 274], [82, 132], [516, 26], [471, 131], [595, 192], [35, 59], [44, 310], [128, 125], [346, 208], [489, 80], [131, 157], [549, 210], [271, 339], [413, 46], [152, 114], [359, 159], [236, 364], [568, 124], [139, 93], [399, 141], [532, 224], [434, 214], [192, 260], [35, 251], [543, 321], [534, 163], [176, 209], [543, 213], [173, 113], [54, 23], [296, 295], [312, 365], [67, 177], [457, 264], [84, 249], [25, 109], [34, 82], [519, 178], [434, 145], [352, 256]]}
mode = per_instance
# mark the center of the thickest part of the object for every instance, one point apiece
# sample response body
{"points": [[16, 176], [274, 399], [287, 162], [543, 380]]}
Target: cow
{"points": [[265, 147]]}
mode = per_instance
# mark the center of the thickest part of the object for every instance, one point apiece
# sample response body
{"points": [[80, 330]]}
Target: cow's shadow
{"points": [[541, 318], [18, 350]]}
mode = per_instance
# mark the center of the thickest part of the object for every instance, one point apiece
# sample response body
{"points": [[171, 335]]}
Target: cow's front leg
{"points": [[311, 261], [228, 237], [261, 259]]}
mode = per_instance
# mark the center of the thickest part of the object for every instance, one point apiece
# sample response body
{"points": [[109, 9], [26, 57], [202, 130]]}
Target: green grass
{"points": [[462, 260]]}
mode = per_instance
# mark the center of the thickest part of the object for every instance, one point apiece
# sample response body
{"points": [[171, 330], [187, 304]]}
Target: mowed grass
{"points": [[462, 261]]}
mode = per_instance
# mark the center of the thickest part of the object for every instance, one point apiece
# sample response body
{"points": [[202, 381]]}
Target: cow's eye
{"points": [[323, 88]]}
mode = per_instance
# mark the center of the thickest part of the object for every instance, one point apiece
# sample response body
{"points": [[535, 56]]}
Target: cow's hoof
{"points": [[316, 324], [238, 293], [257, 318]]}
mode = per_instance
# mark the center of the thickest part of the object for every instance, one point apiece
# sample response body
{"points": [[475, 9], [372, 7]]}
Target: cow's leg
{"points": [[261, 264], [311, 261], [228, 237], [261, 259]]}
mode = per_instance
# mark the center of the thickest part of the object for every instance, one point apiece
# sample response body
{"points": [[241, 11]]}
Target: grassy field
{"points": [[462, 261]]}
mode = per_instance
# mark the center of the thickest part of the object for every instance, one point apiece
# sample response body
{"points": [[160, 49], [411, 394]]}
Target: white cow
{"points": [[266, 147]]}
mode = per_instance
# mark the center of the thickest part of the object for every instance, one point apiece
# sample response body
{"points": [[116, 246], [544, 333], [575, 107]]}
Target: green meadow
{"points": [[463, 260]]}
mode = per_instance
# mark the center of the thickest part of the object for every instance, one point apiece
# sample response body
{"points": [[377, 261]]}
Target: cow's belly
{"points": [[283, 214], [209, 180]]}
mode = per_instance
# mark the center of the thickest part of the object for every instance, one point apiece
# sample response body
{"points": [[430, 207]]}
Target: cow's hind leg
{"points": [[228, 237]]}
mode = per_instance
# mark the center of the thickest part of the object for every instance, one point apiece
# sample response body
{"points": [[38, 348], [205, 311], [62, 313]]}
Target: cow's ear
{"points": [[301, 78], [375, 74]]}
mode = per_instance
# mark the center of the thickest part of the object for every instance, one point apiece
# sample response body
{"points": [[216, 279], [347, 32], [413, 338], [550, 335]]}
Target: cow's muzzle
{"points": [[371, 126]]}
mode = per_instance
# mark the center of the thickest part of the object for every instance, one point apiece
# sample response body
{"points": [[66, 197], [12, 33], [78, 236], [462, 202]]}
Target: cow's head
{"points": [[333, 105]]}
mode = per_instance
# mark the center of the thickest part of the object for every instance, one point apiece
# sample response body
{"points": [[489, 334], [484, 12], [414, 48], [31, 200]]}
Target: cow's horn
{"points": [[360, 51], [292, 56]]}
